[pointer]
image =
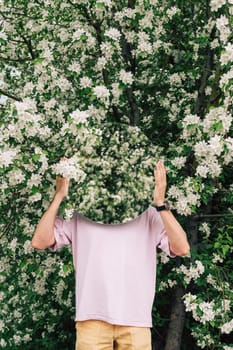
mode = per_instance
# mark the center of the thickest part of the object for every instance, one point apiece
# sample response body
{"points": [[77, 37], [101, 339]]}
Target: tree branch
{"points": [[201, 104], [7, 94], [29, 45], [71, 3], [212, 216], [131, 3]]}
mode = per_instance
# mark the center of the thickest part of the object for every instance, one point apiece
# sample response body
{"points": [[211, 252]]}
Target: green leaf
{"points": [[7, 190], [36, 157], [100, 4], [34, 189], [217, 126], [83, 37], [38, 60]]}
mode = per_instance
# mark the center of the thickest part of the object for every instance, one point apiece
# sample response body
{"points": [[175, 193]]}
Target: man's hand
{"points": [[176, 235], [62, 185], [160, 184]]}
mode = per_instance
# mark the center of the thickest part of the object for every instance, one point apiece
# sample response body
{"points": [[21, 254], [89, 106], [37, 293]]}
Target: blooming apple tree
{"points": [[114, 86]]}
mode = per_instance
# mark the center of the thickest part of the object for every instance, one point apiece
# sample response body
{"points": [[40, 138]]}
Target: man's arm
{"points": [[44, 234], [176, 235]]}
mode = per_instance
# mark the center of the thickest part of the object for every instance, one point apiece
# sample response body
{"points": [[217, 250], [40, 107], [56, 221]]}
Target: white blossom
{"points": [[1, 326], [113, 33], [211, 280], [126, 77], [227, 327], [208, 312], [27, 246], [39, 286], [85, 82], [125, 12], [178, 162], [215, 168], [15, 177], [193, 272], [214, 117], [163, 257], [217, 4], [69, 169], [116, 92], [69, 212], [17, 339], [172, 11], [192, 304], [79, 116], [217, 258], [190, 301], [185, 197], [227, 55], [13, 244], [215, 145], [7, 157], [190, 124], [35, 198], [222, 24], [78, 33], [34, 180], [175, 79], [226, 305], [205, 228], [75, 67], [205, 340], [225, 78], [229, 145], [101, 92], [202, 170], [101, 63], [3, 35], [3, 343], [107, 50], [144, 46]]}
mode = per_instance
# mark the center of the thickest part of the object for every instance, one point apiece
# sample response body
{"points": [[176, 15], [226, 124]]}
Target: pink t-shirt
{"points": [[115, 266]]}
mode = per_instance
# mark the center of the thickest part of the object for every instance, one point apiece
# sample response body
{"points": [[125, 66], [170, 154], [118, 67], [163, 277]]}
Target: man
{"points": [[114, 267]]}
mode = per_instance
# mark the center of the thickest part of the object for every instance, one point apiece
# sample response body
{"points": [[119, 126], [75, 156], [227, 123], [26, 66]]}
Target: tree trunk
{"points": [[176, 325], [177, 318]]}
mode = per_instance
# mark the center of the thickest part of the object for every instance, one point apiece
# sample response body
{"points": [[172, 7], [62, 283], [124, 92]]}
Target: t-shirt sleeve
{"points": [[63, 232], [158, 229]]}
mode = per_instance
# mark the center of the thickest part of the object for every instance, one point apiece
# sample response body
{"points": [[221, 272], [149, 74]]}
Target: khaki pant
{"points": [[100, 335]]}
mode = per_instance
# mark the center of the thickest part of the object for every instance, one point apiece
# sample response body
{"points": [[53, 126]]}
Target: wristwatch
{"points": [[165, 206]]}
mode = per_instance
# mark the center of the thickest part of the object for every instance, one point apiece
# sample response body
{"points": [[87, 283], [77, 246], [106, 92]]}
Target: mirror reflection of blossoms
{"points": [[114, 182]]}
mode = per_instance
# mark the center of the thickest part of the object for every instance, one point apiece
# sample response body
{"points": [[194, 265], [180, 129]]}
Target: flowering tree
{"points": [[114, 86]]}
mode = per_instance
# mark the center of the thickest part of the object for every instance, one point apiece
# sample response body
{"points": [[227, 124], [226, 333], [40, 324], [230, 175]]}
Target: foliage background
{"points": [[162, 72]]}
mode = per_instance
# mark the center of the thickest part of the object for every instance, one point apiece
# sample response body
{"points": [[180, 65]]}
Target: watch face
{"points": [[119, 181]]}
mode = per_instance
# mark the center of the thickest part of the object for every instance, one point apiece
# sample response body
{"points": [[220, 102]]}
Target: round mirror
{"points": [[119, 181]]}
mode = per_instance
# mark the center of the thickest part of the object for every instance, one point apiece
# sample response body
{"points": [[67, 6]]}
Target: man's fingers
{"points": [[159, 167], [160, 172]]}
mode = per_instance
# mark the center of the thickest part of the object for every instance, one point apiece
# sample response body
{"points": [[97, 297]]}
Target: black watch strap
{"points": [[165, 206]]}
